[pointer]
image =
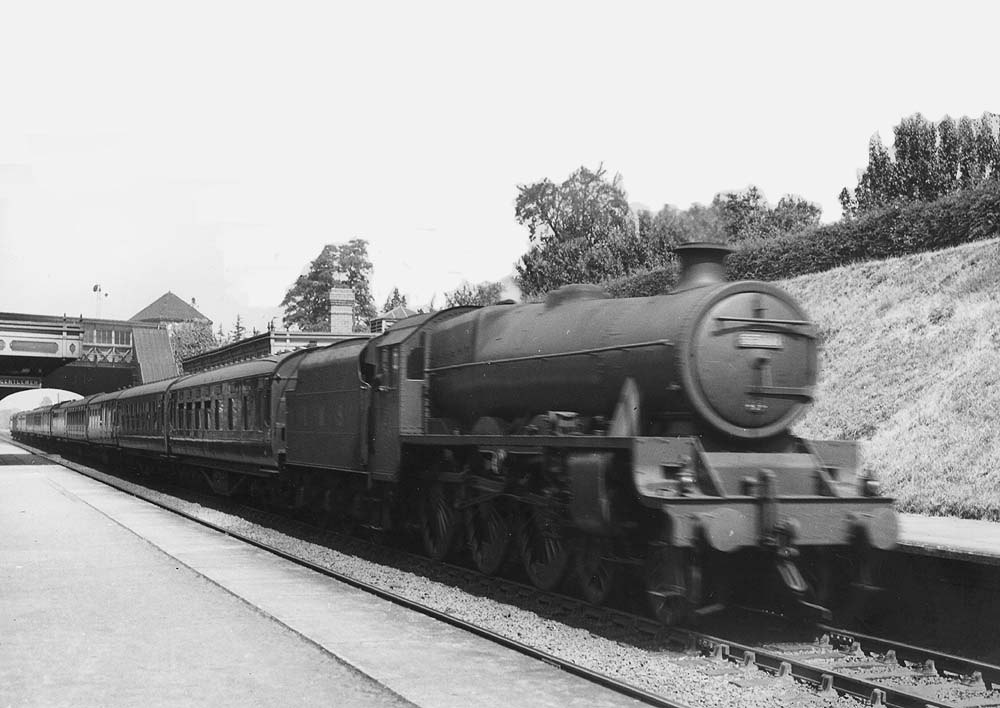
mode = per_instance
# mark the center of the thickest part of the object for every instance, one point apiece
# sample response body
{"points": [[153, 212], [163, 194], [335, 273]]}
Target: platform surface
{"points": [[110, 601], [92, 615], [7, 448], [948, 537]]}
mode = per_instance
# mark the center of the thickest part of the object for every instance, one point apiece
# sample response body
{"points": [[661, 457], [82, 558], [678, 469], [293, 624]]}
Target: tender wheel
{"points": [[489, 534], [595, 575], [544, 552], [438, 522], [673, 584]]}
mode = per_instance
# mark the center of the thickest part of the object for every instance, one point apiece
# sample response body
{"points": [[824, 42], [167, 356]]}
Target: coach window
{"points": [[245, 413], [229, 414], [197, 415]]}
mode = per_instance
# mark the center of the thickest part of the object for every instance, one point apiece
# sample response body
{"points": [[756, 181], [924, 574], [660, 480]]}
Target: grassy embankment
{"points": [[910, 365]]}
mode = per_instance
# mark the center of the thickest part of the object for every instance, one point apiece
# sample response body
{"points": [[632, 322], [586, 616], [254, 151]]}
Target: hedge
{"points": [[900, 230]]}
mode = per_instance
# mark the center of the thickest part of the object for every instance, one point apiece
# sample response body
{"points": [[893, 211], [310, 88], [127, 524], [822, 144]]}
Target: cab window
{"points": [[415, 365]]}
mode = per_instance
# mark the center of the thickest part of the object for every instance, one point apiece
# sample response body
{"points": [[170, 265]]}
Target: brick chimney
{"points": [[341, 305]]}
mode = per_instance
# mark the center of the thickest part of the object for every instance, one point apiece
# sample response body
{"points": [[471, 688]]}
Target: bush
{"points": [[652, 282], [897, 230]]}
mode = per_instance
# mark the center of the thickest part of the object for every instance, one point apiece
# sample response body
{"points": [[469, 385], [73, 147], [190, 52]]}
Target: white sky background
{"points": [[212, 148]]}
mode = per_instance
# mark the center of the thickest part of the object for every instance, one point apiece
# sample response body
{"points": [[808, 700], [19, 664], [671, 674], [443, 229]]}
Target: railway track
{"points": [[838, 666]]}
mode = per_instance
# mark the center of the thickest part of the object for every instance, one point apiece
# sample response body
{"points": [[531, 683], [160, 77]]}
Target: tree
{"points": [[238, 329], [188, 339], [486, 293], [917, 162], [968, 160], [394, 300], [731, 217], [743, 215], [949, 155], [879, 184], [927, 161], [307, 302], [988, 146], [793, 214], [581, 230]]}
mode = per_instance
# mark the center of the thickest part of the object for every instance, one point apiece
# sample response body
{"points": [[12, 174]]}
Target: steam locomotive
{"points": [[583, 437]]}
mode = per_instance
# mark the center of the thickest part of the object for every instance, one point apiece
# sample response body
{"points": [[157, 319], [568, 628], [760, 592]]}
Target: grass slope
{"points": [[910, 365]]}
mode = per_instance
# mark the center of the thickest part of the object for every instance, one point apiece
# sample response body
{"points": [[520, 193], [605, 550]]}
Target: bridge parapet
{"points": [[31, 347], [40, 340]]}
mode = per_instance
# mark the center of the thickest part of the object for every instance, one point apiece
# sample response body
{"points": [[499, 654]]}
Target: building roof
{"points": [[170, 308], [267, 343], [397, 313], [154, 354]]}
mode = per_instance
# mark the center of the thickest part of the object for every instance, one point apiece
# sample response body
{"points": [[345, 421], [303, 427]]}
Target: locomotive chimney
{"points": [[702, 263]]}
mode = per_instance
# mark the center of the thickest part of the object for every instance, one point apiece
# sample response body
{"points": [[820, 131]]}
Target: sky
{"points": [[212, 148]]}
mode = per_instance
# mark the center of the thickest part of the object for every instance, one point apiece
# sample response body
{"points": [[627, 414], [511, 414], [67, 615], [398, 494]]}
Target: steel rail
{"points": [[943, 663], [824, 677]]}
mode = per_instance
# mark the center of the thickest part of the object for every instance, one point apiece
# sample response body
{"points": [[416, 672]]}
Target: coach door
{"points": [[385, 399]]}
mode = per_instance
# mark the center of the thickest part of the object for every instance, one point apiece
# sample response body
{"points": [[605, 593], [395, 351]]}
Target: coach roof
{"points": [[248, 369]]}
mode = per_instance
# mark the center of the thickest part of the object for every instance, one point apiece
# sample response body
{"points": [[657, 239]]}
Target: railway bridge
{"points": [[32, 347], [90, 355]]}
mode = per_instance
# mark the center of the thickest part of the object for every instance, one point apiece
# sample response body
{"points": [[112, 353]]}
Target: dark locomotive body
{"points": [[583, 434]]}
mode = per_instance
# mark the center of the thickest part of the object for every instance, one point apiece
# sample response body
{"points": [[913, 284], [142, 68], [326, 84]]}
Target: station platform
{"points": [[109, 601], [966, 540]]}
